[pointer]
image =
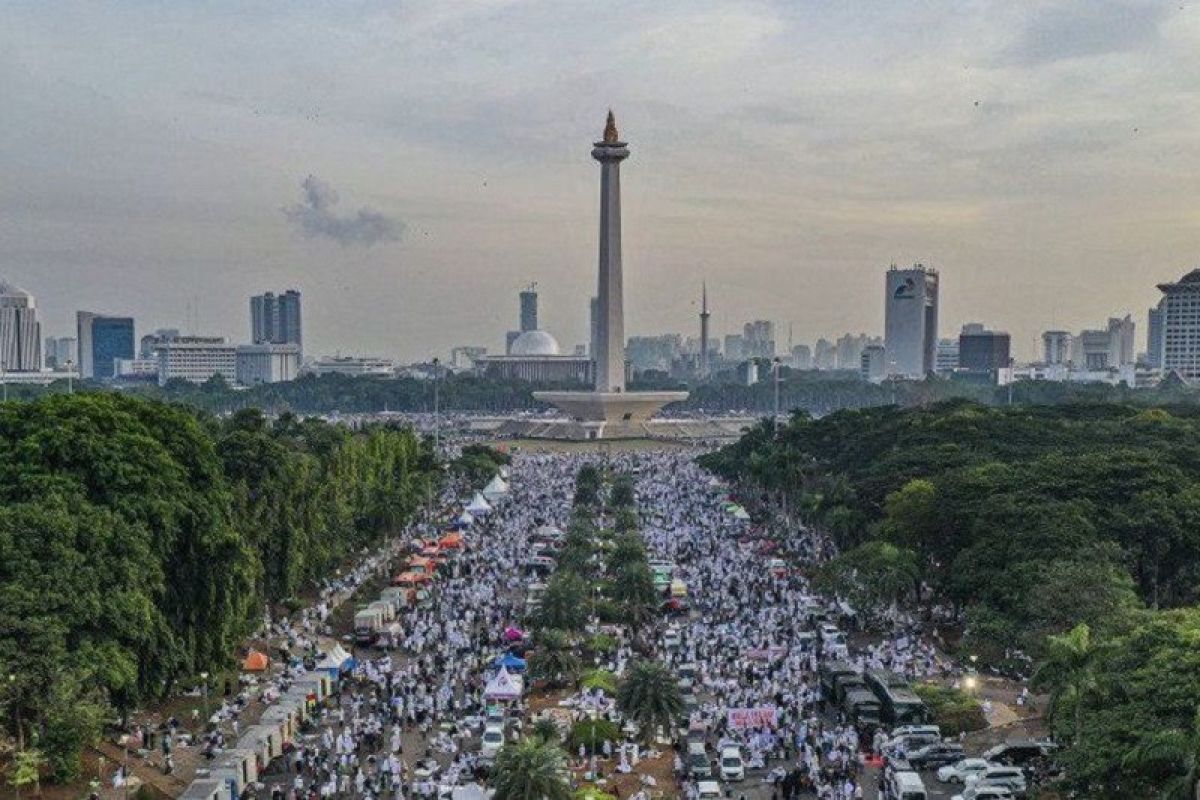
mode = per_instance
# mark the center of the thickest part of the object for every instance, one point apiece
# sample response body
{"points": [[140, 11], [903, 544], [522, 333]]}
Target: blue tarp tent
{"points": [[511, 662]]}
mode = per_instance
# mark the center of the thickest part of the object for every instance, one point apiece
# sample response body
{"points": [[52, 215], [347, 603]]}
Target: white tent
{"points": [[465, 518], [472, 791], [496, 489], [504, 686], [504, 472], [478, 506], [741, 513]]}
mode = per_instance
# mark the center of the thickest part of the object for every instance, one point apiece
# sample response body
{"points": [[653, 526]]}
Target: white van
{"points": [[709, 790], [1011, 778], [908, 786], [732, 767]]}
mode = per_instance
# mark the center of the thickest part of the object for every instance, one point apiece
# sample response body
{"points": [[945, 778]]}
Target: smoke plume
{"points": [[316, 218]]}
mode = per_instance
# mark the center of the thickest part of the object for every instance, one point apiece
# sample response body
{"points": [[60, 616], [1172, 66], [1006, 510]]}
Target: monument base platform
{"points": [[602, 415]]}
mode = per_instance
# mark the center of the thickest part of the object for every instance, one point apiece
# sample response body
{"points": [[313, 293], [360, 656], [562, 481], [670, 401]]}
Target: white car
{"points": [[959, 771], [671, 639], [907, 730], [1011, 778], [493, 740], [984, 793], [709, 790], [732, 766]]}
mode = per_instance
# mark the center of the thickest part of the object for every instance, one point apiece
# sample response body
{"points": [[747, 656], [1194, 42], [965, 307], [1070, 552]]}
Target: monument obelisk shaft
{"points": [[610, 339]]}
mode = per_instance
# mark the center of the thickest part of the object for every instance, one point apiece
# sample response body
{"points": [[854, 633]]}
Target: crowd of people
{"points": [[406, 722]]}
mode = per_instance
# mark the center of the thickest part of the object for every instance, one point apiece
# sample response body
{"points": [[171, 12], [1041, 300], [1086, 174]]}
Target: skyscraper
{"points": [[1056, 347], [20, 332], [529, 309], [983, 351], [1181, 326], [758, 339], [1154, 336], [275, 319], [911, 321], [102, 339]]}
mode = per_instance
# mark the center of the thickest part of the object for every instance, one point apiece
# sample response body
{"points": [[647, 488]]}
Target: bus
{"points": [[900, 703]]}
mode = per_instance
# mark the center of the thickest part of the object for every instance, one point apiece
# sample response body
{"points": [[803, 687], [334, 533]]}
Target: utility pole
{"points": [[775, 367], [437, 419]]}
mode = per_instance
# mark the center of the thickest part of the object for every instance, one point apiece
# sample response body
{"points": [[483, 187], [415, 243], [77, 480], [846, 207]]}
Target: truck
{"points": [[367, 625]]}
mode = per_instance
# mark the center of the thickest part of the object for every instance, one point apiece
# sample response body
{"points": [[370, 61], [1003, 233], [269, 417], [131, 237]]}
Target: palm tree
{"points": [[1178, 749], [1067, 672], [544, 730], [553, 659], [650, 696], [531, 770]]}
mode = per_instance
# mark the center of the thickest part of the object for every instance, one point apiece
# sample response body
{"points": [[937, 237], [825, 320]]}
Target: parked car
{"points": [[984, 793], [493, 740], [671, 639], [959, 771], [732, 767], [907, 785], [1011, 778], [708, 790], [903, 746], [935, 755], [1020, 753], [698, 764]]}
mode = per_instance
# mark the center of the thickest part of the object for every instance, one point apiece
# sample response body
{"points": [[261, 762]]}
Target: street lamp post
{"points": [[204, 678], [775, 374], [437, 419], [4, 379], [70, 367], [125, 764]]}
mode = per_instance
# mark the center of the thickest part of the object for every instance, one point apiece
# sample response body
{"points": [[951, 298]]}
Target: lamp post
{"points": [[4, 378], [70, 367], [125, 764], [775, 365], [437, 419], [204, 678]]}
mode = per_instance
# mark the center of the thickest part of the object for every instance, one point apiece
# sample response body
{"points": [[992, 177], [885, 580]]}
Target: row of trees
{"points": [[1023, 523], [601, 573], [140, 542]]}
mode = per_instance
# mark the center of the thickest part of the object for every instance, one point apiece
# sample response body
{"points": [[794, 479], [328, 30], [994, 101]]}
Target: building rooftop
{"points": [[535, 343]]}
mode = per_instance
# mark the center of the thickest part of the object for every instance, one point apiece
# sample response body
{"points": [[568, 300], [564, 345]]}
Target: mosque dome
{"points": [[534, 343]]}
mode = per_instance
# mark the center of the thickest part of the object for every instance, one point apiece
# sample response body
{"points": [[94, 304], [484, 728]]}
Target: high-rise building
{"points": [[735, 347], [911, 321], [653, 352], [758, 339], [1057, 347], [1122, 342], [196, 359], [59, 353], [849, 350], [266, 363], [20, 331], [1181, 326], [150, 342], [1154, 336], [529, 309], [102, 340], [275, 319], [983, 351], [946, 360], [801, 357], [873, 363], [825, 356]]}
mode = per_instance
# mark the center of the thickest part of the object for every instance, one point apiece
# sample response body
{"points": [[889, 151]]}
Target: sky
{"points": [[410, 166]]}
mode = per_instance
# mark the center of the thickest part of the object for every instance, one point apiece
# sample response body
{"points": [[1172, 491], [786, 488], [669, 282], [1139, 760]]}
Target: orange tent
{"points": [[452, 541], [255, 662]]}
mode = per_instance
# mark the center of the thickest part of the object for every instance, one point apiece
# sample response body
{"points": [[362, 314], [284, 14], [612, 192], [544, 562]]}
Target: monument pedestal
{"points": [[604, 415]]}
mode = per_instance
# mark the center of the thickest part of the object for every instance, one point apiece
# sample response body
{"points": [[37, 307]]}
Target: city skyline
{"points": [[1049, 188]]}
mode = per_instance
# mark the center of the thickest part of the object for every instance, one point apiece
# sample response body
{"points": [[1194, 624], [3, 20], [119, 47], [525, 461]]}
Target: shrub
{"points": [[953, 710], [592, 734]]}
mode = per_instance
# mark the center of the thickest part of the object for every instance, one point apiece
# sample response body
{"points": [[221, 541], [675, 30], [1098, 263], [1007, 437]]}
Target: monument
{"points": [[608, 412]]}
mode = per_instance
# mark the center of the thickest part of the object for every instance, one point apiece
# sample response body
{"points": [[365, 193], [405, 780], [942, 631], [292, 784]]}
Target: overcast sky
{"points": [[410, 165]]}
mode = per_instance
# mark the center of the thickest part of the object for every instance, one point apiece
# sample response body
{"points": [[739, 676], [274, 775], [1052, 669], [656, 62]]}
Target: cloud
{"points": [[1083, 28], [316, 218]]}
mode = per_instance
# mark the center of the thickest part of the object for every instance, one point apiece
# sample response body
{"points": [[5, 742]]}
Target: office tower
{"points": [[801, 357], [59, 353], [825, 355], [759, 339], [704, 363], [102, 340], [982, 350], [653, 352], [911, 321], [735, 347], [873, 363], [1181, 326], [848, 350], [1154, 336], [529, 309], [593, 323], [1093, 350], [947, 358], [197, 358], [1121, 341], [275, 319], [20, 331], [1057, 347]]}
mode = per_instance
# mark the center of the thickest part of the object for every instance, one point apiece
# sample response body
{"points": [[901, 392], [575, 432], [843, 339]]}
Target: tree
{"points": [[26, 770], [1066, 672], [649, 695], [628, 548], [872, 576], [554, 659], [531, 770], [1178, 750], [564, 603]]}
